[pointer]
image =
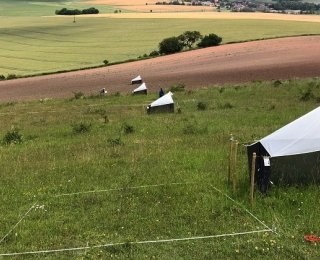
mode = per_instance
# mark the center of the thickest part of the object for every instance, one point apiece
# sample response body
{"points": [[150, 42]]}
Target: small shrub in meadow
{"points": [[81, 128], [277, 83], [127, 129], [177, 88], [306, 95], [105, 62], [115, 142], [12, 137], [226, 105], [201, 106], [2, 77], [78, 95]]}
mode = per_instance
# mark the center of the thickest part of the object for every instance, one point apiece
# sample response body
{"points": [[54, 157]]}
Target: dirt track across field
{"points": [[286, 58]]}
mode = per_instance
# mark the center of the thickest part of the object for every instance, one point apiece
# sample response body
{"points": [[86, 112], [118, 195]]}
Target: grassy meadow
{"points": [[34, 41], [98, 178]]}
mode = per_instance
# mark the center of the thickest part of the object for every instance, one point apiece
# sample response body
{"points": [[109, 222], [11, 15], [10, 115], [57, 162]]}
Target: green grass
{"points": [[65, 189]]}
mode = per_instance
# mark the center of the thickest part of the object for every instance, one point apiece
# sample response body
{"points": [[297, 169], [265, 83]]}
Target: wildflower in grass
{"points": [[256, 248], [237, 250]]}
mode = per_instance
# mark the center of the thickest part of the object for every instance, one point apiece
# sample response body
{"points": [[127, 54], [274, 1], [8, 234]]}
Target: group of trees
{"points": [[187, 40], [65, 11], [176, 2], [294, 5]]}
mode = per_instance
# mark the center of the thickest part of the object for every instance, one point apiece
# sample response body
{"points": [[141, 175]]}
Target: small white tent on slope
{"points": [[293, 151], [136, 80], [142, 89], [162, 104]]}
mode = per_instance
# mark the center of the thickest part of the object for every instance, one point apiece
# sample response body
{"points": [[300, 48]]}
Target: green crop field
{"points": [[98, 178], [33, 44]]}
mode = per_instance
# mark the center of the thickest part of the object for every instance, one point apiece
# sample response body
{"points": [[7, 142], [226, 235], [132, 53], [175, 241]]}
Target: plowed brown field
{"points": [[285, 58]]}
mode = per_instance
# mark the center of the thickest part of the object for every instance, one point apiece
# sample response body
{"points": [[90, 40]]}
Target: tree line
{"points": [[188, 40], [294, 5], [65, 11]]}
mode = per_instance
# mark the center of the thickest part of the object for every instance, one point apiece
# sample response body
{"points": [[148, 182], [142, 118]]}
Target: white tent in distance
{"points": [[162, 104], [142, 89], [136, 80]]}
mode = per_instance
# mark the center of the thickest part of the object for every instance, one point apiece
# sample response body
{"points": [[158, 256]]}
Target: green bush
{"points": [[210, 40], [170, 45], [201, 106], [226, 105], [105, 62], [177, 88], [81, 128], [12, 137], [12, 76], [115, 142], [154, 53], [306, 95], [127, 129], [189, 38], [277, 83], [78, 95], [2, 77]]}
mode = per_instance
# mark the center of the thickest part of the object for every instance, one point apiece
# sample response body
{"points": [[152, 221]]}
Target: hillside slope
{"points": [[286, 58]]}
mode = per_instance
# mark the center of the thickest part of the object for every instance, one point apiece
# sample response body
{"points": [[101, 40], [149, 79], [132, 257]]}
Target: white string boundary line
{"points": [[132, 243], [18, 222], [162, 184], [141, 242], [131, 188], [262, 223]]}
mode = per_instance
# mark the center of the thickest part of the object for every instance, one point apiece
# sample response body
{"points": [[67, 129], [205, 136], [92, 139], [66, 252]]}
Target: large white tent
{"points": [[293, 151], [164, 103]]}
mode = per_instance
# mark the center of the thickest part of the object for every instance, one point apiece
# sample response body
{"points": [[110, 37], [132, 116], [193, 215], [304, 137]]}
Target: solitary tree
{"points": [[210, 40], [188, 38], [170, 45]]}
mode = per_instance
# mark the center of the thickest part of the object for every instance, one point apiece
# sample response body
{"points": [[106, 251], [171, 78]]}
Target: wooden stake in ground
{"points": [[230, 155], [235, 166], [253, 170]]}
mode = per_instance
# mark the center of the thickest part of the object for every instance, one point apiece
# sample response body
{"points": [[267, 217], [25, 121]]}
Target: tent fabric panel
{"points": [[299, 136], [296, 169], [141, 87], [144, 92], [136, 80], [288, 147], [158, 109], [164, 100]]}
